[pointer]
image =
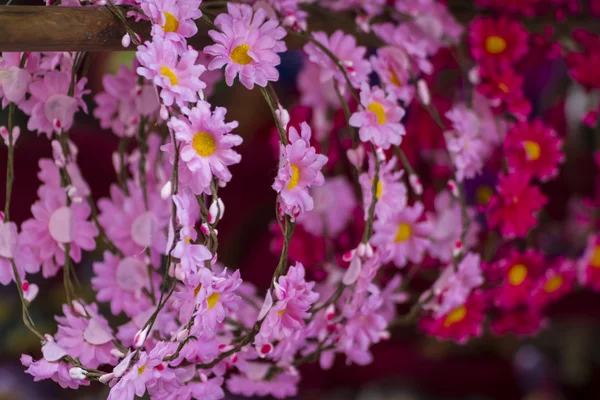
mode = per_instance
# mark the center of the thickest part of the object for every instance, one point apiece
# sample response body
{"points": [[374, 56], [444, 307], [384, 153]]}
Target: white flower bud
{"points": [[77, 374]]}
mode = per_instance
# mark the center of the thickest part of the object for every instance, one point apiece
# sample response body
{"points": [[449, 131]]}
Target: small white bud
{"points": [[140, 337], [126, 40], [423, 92], [77, 374]]}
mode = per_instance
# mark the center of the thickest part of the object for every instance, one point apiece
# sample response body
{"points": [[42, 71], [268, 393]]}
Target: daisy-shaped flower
{"points": [[588, 266], [124, 102], [173, 19], [392, 66], [556, 282], [299, 169], [379, 121], [533, 148], [501, 42], [86, 337], [190, 255], [217, 300], [50, 107], [130, 226], [247, 46], [515, 206], [122, 283], [345, 49], [390, 192], [54, 225], [504, 88], [179, 78], [207, 143], [403, 236]]}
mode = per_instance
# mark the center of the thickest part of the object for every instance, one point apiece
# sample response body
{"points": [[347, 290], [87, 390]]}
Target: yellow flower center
{"points": [[379, 112], [495, 44], [295, 177], [171, 23], [454, 316], [168, 72], [394, 80], [280, 312], [517, 274], [553, 284], [484, 194], [404, 233], [141, 369], [204, 144], [595, 261], [503, 87], [213, 299], [240, 55], [532, 149]]}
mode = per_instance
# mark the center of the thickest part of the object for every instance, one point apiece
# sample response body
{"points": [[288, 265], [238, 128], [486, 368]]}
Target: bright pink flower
{"points": [[390, 193], [131, 226], [178, 77], [460, 324], [558, 281], [501, 42], [50, 106], [583, 66], [521, 321], [12, 248], [513, 209], [504, 88], [54, 225], [247, 44], [345, 49], [393, 68], [299, 169], [379, 122], [334, 203], [124, 102], [122, 282], [172, 19], [86, 337], [403, 237], [207, 143], [588, 266], [464, 143], [533, 148]]}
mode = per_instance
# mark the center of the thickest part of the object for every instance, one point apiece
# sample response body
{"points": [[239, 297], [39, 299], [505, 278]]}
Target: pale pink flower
{"points": [[190, 255], [12, 248], [392, 66], [403, 237], [379, 121], [299, 169], [247, 45], [253, 383], [391, 193], [172, 19], [14, 80]]}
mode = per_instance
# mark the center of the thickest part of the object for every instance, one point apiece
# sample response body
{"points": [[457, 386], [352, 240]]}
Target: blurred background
{"points": [[562, 362]]}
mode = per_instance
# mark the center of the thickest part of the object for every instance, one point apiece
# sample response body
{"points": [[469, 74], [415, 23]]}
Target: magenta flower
{"points": [[501, 42], [50, 107], [334, 203], [207, 143], [390, 192], [124, 102], [122, 283], [86, 337], [299, 169], [344, 48], [533, 148], [403, 237], [54, 225], [173, 19], [556, 282], [379, 122], [178, 77], [521, 321], [514, 208], [247, 45]]}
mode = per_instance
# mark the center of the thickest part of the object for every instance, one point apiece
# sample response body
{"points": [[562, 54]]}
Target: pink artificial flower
{"points": [[558, 281], [86, 337], [504, 88], [207, 143], [247, 44], [14, 80], [54, 225], [11, 247], [178, 77], [533, 148], [410, 40], [497, 42], [402, 237], [518, 275], [345, 49], [190, 255], [293, 15], [124, 102], [464, 143], [299, 169], [391, 193], [588, 266], [166, 323], [293, 298], [173, 19], [50, 366], [123, 283], [217, 299], [520, 321], [435, 21], [131, 226], [49, 174], [50, 107], [379, 122], [393, 66], [334, 203], [583, 66], [253, 383], [513, 209], [187, 212], [460, 324]]}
